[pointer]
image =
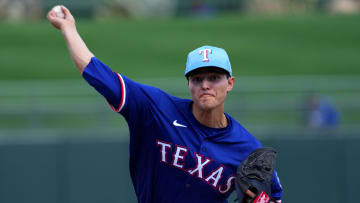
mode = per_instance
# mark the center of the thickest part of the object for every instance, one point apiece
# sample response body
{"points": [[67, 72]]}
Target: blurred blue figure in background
{"points": [[321, 113]]}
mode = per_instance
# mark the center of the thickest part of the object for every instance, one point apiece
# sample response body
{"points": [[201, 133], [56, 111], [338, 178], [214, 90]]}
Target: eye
{"points": [[196, 79], [214, 78]]}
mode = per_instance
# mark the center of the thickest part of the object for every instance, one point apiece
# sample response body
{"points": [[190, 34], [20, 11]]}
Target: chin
{"points": [[207, 105]]}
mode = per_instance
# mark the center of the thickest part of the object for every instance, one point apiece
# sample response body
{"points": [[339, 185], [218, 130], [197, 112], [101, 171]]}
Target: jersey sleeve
{"points": [[276, 188], [106, 82], [131, 99]]}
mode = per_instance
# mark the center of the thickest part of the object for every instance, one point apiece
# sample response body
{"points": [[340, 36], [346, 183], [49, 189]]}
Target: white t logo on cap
{"points": [[206, 54]]}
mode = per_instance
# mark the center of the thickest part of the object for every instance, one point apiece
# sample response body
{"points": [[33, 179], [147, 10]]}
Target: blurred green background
{"points": [[297, 88]]}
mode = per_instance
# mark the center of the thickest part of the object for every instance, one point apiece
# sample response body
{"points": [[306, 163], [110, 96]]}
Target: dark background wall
{"points": [[312, 169]]}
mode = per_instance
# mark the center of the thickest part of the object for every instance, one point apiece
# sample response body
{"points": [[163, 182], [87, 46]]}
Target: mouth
{"points": [[207, 95]]}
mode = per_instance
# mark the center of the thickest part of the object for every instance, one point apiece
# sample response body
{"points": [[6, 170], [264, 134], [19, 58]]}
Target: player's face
{"points": [[209, 88]]}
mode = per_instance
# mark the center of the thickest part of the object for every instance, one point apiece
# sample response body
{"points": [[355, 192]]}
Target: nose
{"points": [[205, 84]]}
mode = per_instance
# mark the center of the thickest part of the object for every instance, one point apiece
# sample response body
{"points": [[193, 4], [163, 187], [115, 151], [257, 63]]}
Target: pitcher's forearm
{"points": [[79, 52]]}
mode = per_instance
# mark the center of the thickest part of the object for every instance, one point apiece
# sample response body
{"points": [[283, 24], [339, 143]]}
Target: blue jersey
{"points": [[173, 157]]}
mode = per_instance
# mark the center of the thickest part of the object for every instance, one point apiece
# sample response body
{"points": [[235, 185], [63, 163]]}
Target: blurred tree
{"points": [[15, 10], [138, 8], [302, 6], [344, 6]]}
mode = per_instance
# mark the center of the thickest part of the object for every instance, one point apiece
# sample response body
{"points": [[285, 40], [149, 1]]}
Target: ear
{"points": [[231, 82]]}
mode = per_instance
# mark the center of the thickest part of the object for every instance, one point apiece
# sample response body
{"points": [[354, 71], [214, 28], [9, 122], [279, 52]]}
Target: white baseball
{"points": [[59, 12]]}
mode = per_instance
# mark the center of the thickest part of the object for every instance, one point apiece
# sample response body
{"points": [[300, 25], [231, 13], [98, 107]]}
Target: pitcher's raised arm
{"points": [[79, 52]]}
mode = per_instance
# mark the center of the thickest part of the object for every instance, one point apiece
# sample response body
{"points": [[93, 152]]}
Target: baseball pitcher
{"points": [[181, 150]]}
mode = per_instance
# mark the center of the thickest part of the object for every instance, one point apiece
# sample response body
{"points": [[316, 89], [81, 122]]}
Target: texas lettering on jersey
{"points": [[179, 153]]}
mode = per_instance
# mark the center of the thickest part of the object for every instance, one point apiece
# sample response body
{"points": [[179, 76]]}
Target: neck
{"points": [[214, 118]]}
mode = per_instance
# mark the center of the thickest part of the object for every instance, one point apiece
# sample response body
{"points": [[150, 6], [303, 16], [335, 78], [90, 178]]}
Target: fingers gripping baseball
{"points": [[60, 21]]}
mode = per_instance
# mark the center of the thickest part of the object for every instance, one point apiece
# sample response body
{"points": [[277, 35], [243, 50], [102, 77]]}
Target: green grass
{"points": [[291, 45], [295, 45]]}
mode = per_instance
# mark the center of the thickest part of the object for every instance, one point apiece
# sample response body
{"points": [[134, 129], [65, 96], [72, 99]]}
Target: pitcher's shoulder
{"points": [[241, 134]]}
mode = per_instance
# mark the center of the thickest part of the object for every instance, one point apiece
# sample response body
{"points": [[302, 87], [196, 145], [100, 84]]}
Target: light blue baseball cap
{"points": [[208, 56]]}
